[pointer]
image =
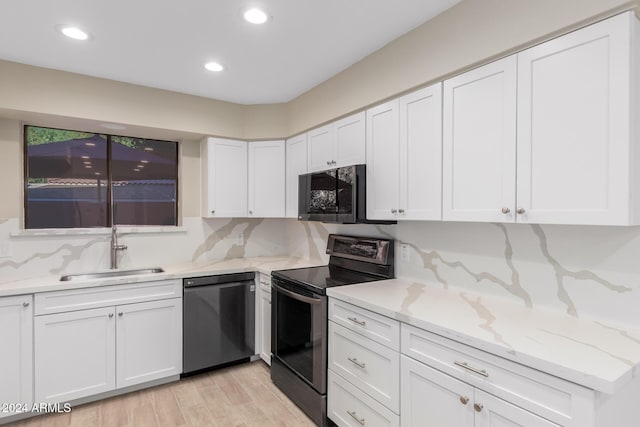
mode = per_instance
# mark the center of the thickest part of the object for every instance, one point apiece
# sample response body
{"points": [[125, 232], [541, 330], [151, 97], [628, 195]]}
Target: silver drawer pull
{"points": [[355, 417], [466, 366], [355, 362], [357, 322]]}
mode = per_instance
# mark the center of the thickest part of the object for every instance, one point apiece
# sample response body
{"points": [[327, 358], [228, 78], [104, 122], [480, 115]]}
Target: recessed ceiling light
{"points": [[213, 66], [112, 126], [90, 144], [148, 149], [74, 33], [256, 16]]}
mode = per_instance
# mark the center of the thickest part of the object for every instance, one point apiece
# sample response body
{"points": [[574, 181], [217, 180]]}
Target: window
{"points": [[79, 179]]}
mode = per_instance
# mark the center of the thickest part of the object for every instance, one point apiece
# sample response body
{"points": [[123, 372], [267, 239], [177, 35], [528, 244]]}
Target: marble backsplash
{"points": [[199, 240], [584, 271], [587, 272]]}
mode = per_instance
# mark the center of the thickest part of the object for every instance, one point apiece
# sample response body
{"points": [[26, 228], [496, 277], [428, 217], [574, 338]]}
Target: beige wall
{"points": [[467, 34], [10, 169], [470, 33]]}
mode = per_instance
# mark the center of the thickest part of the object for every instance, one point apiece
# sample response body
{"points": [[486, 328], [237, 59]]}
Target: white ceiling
{"points": [[164, 44]]}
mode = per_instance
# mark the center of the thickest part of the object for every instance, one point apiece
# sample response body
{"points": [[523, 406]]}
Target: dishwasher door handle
{"points": [[309, 300]]}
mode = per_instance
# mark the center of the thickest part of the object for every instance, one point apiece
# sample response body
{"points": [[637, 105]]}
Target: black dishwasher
{"points": [[218, 320]]}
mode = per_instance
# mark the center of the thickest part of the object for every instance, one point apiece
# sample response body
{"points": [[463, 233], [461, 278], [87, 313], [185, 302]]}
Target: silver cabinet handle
{"points": [[213, 212], [120, 314], [520, 211], [355, 417], [394, 211], [464, 400], [401, 211], [478, 407], [466, 366], [250, 212], [25, 304], [355, 362], [357, 322], [506, 210], [110, 315], [328, 163], [333, 162]]}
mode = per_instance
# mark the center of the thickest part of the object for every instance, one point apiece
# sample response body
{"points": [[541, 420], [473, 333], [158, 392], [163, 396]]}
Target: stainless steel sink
{"points": [[109, 274]]}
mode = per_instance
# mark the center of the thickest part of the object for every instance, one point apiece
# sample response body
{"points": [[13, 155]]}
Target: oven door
{"points": [[299, 332]]}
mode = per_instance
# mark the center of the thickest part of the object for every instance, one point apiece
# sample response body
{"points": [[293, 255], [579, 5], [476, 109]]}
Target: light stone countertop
{"points": [[178, 271], [590, 353]]}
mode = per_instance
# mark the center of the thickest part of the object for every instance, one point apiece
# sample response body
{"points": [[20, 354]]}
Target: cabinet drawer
{"points": [[265, 282], [349, 407], [379, 328], [368, 365], [560, 401], [104, 296]]}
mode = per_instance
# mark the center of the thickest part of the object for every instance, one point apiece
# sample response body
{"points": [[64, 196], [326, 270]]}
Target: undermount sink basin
{"points": [[109, 274]]}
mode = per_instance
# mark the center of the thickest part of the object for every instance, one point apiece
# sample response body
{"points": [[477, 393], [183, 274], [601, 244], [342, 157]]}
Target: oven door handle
{"points": [[309, 300]]}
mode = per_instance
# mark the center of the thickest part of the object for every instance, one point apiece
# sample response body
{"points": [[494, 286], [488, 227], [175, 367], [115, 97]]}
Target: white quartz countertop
{"points": [[178, 271], [590, 353]]}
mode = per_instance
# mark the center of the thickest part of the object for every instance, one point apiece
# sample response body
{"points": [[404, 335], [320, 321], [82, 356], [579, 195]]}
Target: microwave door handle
{"points": [[298, 297]]}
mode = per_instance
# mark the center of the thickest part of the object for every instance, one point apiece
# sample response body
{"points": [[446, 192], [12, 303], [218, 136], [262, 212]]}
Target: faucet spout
{"points": [[115, 247]]}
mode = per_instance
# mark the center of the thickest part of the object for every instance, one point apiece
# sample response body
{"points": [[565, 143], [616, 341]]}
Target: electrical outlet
{"points": [[405, 253], [5, 249], [240, 239]]}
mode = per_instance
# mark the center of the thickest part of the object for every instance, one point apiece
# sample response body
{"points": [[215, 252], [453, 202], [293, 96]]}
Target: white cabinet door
{"points": [[16, 351], [574, 127], [349, 143], [296, 154], [265, 324], [266, 179], [421, 155], [479, 144], [74, 354], [224, 172], [320, 148], [383, 161], [148, 341], [494, 412], [428, 394]]}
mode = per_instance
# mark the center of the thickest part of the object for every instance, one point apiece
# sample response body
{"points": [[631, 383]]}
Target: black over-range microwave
{"points": [[335, 195]]}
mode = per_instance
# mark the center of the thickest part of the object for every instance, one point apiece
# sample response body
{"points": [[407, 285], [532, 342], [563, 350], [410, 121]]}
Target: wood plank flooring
{"points": [[240, 396]]}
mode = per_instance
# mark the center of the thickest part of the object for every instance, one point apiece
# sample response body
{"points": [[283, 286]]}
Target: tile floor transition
{"points": [[240, 396]]}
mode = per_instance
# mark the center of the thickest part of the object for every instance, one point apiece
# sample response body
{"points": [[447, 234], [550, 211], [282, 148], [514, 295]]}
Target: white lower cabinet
{"points": [[75, 354], [148, 341], [364, 365], [86, 352], [16, 352], [430, 397], [265, 318], [348, 406], [378, 376]]}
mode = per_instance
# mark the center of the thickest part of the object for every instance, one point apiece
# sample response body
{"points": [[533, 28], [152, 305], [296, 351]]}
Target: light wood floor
{"points": [[240, 396]]}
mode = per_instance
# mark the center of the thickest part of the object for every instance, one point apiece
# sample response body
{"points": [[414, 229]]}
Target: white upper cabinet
{"points": [[574, 126], [479, 144], [320, 148], [383, 177], [421, 155], [337, 144], [349, 140], [569, 118], [266, 179], [296, 158], [224, 178], [404, 157]]}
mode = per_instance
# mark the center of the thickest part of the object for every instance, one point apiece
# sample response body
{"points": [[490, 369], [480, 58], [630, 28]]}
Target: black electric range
{"points": [[299, 316]]}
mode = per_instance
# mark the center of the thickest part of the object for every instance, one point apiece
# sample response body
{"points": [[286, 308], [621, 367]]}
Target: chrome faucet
{"points": [[115, 247]]}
